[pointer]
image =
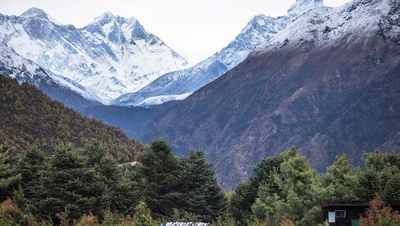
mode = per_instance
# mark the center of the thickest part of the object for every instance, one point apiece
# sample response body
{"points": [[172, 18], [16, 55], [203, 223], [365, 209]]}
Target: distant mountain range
{"points": [[180, 84], [114, 60], [324, 79], [109, 57], [329, 82]]}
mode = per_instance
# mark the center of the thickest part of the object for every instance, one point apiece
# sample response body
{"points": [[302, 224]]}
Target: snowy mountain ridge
{"points": [[354, 21], [109, 57], [180, 84], [56, 86]]}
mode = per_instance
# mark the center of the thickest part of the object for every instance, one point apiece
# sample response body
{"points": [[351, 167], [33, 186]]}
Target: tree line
{"points": [[286, 190], [86, 186], [76, 185]]}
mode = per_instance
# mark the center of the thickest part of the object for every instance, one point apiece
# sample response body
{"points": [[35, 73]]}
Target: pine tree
{"points": [[105, 169], [391, 193], [296, 193], [73, 187], [159, 173], [33, 169], [126, 193], [142, 216], [246, 193], [340, 181], [379, 169], [200, 191], [9, 179]]}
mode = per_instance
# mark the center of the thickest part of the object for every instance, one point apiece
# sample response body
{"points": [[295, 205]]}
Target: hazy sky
{"points": [[195, 28]]}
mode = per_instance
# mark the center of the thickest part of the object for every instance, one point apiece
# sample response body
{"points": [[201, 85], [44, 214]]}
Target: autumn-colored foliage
{"points": [[11, 215], [88, 220], [379, 214]]}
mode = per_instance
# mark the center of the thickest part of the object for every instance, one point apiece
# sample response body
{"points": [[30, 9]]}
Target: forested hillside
{"points": [[30, 117]]}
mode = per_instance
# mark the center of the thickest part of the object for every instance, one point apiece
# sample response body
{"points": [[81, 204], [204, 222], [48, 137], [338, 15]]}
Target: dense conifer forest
{"points": [[30, 117]]}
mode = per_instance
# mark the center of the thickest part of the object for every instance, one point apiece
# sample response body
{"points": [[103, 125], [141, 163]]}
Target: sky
{"points": [[194, 28]]}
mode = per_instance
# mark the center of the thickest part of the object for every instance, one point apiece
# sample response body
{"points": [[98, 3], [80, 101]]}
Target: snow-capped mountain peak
{"points": [[105, 17], [120, 29], [303, 6], [180, 84], [34, 12], [37, 13], [111, 56], [355, 22], [308, 23]]}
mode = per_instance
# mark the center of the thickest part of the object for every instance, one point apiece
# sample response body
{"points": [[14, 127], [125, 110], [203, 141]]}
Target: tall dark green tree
{"points": [[122, 192], [159, 171], [73, 187], [246, 193], [380, 167], [105, 169], [127, 191], [201, 193], [391, 193], [241, 201], [9, 179], [33, 169]]}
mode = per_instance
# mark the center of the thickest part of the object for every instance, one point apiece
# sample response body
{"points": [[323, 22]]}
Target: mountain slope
{"points": [[180, 84], [30, 117], [128, 118], [23, 70], [109, 57], [328, 83]]}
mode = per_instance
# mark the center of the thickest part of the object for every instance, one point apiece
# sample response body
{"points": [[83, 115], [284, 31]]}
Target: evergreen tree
{"points": [[9, 179], [105, 169], [142, 216], [159, 172], [391, 193], [242, 200], [73, 187], [200, 191], [127, 191], [246, 193], [297, 193], [33, 170], [122, 190], [379, 169], [340, 181]]}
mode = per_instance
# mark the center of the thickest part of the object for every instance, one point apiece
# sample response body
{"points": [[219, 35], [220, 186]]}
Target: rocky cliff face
{"points": [[328, 83]]}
